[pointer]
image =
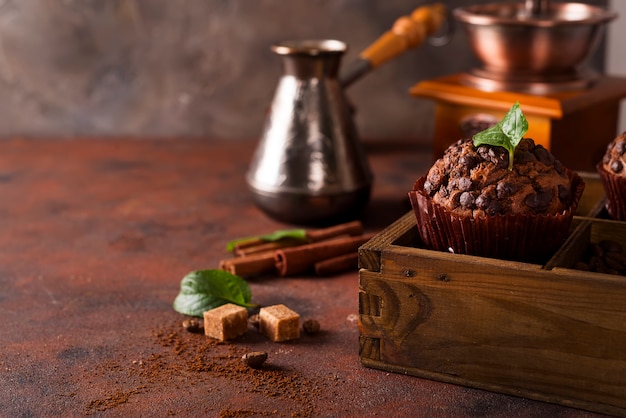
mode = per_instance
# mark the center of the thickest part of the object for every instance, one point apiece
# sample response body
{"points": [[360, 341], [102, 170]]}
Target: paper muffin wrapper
{"points": [[615, 191], [528, 238]]}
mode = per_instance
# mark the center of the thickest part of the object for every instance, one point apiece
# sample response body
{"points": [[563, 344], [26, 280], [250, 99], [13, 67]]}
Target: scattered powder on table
{"points": [[188, 359]]}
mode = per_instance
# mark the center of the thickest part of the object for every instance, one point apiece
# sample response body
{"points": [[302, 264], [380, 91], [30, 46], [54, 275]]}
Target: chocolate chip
{"points": [[559, 167], [617, 166], [435, 179], [455, 197], [428, 187], [523, 157], [493, 208], [483, 152], [539, 201], [488, 204], [610, 146], [468, 161], [620, 147], [464, 183], [466, 200], [543, 155], [499, 156], [482, 201], [564, 193], [505, 189]]}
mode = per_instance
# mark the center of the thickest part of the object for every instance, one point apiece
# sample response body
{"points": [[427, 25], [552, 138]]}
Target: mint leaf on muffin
{"points": [[507, 133]]}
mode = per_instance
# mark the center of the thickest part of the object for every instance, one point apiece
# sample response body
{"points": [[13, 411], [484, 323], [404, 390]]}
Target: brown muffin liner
{"points": [[528, 238], [615, 190]]}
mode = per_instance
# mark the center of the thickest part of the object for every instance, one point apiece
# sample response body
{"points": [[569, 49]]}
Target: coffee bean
{"points": [[615, 261], [311, 326], [580, 265], [195, 325], [597, 250], [611, 246], [254, 359], [604, 257], [254, 320], [597, 264]]}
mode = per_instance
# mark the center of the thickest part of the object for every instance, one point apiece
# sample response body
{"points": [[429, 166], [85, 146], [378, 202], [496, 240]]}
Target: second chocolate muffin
{"points": [[612, 170]]}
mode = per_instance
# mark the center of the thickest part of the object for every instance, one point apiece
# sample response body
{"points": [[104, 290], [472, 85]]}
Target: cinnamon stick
{"points": [[254, 245], [299, 259], [252, 265], [337, 264], [264, 246], [349, 228]]}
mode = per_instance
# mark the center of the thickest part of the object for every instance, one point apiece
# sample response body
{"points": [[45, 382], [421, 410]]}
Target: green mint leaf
{"points": [[507, 133], [491, 136], [274, 236], [203, 290], [514, 125]]}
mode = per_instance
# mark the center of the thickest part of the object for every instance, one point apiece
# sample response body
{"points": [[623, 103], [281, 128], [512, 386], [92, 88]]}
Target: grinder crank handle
{"points": [[406, 33]]}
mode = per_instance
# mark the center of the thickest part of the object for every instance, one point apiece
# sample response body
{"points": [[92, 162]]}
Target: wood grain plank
{"points": [[519, 328]]}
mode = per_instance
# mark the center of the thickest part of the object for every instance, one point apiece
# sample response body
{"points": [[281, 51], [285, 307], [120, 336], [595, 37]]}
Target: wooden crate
{"points": [[549, 333]]}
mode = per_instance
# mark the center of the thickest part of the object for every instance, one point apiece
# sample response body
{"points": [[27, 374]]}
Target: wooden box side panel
{"points": [[401, 232], [554, 339]]}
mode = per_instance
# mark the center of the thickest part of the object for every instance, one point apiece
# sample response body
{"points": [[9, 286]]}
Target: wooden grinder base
{"points": [[575, 125]]}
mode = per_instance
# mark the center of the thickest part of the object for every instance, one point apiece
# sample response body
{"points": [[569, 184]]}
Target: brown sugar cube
{"points": [[279, 323], [226, 322]]}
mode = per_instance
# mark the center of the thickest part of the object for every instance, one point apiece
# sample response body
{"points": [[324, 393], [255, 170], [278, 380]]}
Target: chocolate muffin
{"points": [[470, 202], [612, 170], [474, 181]]}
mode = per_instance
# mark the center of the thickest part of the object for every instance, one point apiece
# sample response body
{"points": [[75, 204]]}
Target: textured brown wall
{"points": [[194, 67]]}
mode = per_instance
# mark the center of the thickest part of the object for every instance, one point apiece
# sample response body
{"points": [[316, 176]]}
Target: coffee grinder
{"points": [[534, 52]]}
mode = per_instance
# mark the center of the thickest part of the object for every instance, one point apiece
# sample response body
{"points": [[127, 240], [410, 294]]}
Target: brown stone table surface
{"points": [[95, 236]]}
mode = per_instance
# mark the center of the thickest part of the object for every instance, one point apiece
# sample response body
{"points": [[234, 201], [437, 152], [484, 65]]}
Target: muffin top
{"points": [[614, 160], [476, 181]]}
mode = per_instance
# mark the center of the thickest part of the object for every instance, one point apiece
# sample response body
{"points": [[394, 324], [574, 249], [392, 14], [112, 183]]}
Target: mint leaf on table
{"points": [[274, 236], [507, 133], [202, 290]]}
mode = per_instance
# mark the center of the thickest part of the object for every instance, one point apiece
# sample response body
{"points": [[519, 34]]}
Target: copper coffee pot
{"points": [[309, 166]]}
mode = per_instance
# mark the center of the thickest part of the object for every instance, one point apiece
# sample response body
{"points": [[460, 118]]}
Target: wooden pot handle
{"points": [[406, 33]]}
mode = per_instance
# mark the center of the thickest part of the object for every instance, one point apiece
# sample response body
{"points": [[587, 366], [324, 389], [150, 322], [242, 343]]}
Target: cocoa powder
{"points": [[178, 353]]}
